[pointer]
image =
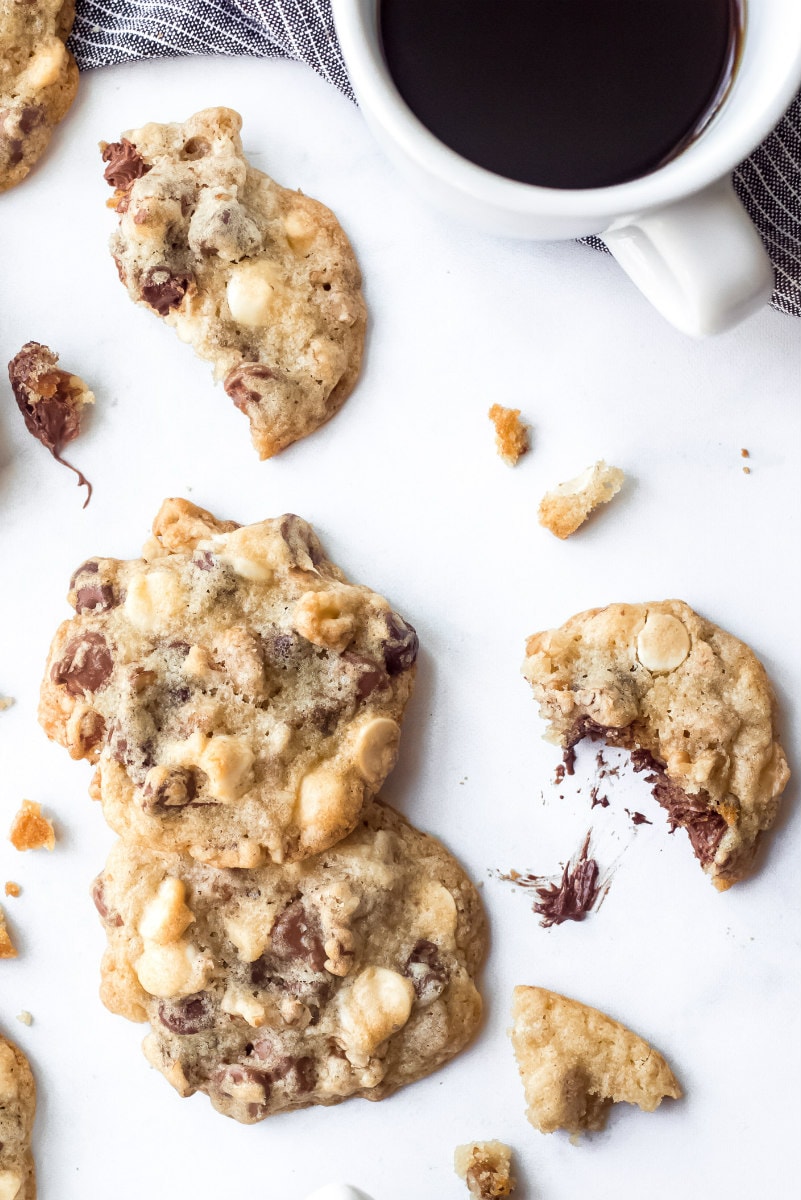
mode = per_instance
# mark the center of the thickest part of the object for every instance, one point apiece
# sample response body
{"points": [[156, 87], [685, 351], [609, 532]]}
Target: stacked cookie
{"points": [[290, 939]]}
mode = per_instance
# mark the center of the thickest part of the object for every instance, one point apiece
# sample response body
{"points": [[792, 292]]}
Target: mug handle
{"points": [[699, 261]]}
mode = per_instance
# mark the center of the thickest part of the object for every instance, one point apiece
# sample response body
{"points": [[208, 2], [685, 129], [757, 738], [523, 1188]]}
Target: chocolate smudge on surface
{"points": [[569, 898]]}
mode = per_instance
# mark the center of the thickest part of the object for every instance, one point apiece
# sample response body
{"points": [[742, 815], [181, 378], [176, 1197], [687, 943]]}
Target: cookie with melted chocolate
{"points": [[348, 974], [259, 279], [241, 699], [38, 81], [691, 702]]}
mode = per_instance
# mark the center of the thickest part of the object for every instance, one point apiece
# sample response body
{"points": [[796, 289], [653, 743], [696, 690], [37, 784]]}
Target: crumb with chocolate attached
{"points": [[486, 1168], [511, 434], [692, 704], [31, 830], [51, 401]]}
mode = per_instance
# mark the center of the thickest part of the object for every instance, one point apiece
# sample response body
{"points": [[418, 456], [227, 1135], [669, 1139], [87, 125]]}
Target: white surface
{"points": [[408, 495], [337, 1191]]}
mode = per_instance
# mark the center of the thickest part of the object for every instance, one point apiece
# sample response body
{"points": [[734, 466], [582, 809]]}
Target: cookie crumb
{"points": [[511, 434], [746, 470], [486, 1168], [576, 1062], [744, 453], [25, 1018], [12, 889], [567, 507], [30, 830], [6, 702], [7, 947], [51, 401]]}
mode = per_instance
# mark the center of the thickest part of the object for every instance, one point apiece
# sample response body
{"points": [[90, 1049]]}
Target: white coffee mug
{"points": [[680, 233]]}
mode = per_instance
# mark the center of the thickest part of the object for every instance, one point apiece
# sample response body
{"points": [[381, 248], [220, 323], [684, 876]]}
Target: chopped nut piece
{"points": [[25, 1018], [12, 889], [30, 830], [511, 434], [486, 1169], [567, 507], [50, 400], [576, 1062], [7, 947]]}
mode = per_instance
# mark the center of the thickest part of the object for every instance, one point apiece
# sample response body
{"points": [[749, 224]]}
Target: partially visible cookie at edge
{"points": [[576, 1062], [17, 1110], [691, 702], [38, 80], [348, 974], [241, 699], [259, 279]]}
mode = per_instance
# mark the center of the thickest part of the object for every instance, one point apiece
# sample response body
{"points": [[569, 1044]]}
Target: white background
{"points": [[408, 495]]}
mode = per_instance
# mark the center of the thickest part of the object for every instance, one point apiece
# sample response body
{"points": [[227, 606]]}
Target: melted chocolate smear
{"points": [[47, 402], [637, 818], [695, 813], [578, 892], [597, 798]]}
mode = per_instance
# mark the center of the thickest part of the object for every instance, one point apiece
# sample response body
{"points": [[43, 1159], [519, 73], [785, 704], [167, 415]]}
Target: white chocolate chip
{"points": [[300, 230], [198, 664], [239, 1003], [248, 552], [177, 969], [324, 801], [376, 750], [46, 66], [228, 762], [10, 1184], [153, 599], [166, 916], [435, 910], [378, 1004], [250, 927], [663, 643], [327, 618], [254, 292]]}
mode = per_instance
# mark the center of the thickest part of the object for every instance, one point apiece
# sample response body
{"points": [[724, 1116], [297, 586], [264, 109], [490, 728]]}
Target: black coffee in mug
{"points": [[563, 93]]}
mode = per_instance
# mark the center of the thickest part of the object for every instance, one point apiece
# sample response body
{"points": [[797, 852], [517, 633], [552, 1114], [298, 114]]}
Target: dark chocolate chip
{"points": [[96, 597], [162, 290], [297, 934], [303, 543], [86, 666], [125, 164], [401, 645], [370, 675], [190, 1015], [245, 383], [428, 973], [99, 898], [177, 788]]}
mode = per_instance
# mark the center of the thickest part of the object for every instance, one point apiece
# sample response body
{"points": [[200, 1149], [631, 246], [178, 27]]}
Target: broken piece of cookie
{"points": [[7, 947], [51, 401], [31, 830], [691, 702], [486, 1168], [569, 505], [17, 1110], [38, 81], [576, 1062], [259, 279]]}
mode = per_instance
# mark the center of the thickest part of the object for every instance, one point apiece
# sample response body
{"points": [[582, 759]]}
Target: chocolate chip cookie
{"points": [[259, 279], [38, 80], [692, 703], [576, 1062], [347, 974], [241, 699], [17, 1109]]}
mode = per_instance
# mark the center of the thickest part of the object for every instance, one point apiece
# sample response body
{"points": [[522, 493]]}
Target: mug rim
{"points": [[377, 92]]}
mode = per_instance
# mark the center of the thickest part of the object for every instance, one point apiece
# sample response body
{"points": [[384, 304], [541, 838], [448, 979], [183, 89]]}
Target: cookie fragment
{"points": [[17, 1110], [576, 1062], [691, 702], [12, 889], [241, 699], [486, 1168], [569, 505], [30, 830], [7, 947], [38, 81], [260, 280], [51, 401], [349, 974], [511, 434]]}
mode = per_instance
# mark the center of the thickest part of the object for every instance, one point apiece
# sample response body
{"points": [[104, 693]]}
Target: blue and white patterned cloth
{"points": [[114, 31]]}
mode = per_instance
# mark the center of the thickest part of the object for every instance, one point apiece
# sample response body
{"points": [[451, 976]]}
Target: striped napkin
{"points": [[113, 31]]}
